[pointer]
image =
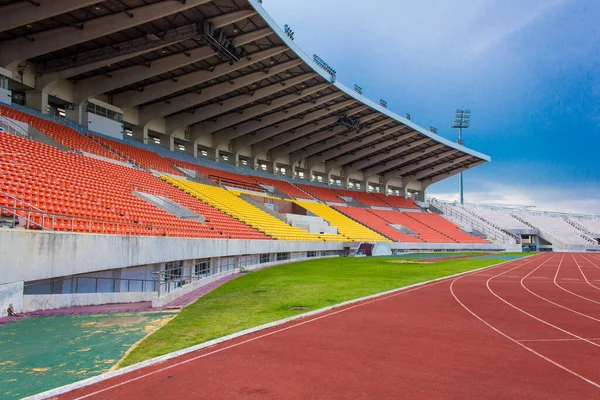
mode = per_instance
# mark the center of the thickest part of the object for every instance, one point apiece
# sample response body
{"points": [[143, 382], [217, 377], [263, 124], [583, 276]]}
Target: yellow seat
{"points": [[229, 203]]}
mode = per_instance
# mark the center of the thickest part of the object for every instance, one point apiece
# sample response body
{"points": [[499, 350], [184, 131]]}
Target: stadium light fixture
{"points": [[383, 103], [462, 120], [321, 63], [289, 32], [433, 130], [358, 89], [407, 116]]}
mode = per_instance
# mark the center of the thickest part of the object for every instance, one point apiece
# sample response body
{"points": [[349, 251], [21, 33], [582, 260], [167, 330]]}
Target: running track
{"points": [[527, 329]]}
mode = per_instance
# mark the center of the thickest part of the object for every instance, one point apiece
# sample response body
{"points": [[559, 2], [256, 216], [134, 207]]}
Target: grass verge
{"points": [[272, 294]]}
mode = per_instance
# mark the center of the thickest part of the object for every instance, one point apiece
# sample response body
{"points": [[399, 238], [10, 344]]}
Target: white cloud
{"points": [[503, 19], [574, 200]]}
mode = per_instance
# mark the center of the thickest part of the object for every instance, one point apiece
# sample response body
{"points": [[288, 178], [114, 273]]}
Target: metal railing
{"points": [[172, 278], [84, 284], [490, 231], [32, 217], [16, 129], [552, 238]]}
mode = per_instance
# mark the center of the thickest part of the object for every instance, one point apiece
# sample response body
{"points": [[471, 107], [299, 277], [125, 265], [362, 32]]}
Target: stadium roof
{"points": [[163, 59]]}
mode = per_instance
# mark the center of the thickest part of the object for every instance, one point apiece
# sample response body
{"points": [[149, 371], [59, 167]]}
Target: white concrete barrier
{"points": [[40, 302]]}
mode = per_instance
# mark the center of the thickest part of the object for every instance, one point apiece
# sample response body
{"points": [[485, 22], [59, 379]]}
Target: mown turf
{"points": [[272, 294]]}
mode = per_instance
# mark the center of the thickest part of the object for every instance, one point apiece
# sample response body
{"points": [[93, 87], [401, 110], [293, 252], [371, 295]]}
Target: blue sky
{"points": [[528, 69]]}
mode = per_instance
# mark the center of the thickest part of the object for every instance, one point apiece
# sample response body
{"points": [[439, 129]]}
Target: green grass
{"points": [[271, 294]]}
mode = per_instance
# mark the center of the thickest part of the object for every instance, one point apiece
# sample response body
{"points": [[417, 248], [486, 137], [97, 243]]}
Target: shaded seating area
{"points": [[64, 135], [322, 193], [396, 201], [140, 157]]}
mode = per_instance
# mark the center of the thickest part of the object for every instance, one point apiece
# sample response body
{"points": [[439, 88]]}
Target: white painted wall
{"points": [[105, 126], [5, 96]]}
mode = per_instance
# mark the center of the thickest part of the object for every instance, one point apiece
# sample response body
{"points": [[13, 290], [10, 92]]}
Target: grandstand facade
{"points": [[149, 147]]}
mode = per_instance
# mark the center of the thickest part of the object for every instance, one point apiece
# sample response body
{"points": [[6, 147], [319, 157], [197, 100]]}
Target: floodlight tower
{"points": [[462, 120]]}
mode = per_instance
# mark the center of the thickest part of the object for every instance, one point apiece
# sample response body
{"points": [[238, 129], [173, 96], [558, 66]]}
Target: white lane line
{"points": [[531, 315], [568, 291], [380, 298], [585, 277], [550, 301], [553, 340], [570, 371]]}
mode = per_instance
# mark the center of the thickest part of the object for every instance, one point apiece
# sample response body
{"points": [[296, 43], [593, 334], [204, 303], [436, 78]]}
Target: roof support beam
{"points": [[59, 38], [101, 84], [251, 37], [363, 150], [427, 171], [401, 171], [252, 126], [271, 131], [182, 102], [301, 132], [330, 149], [164, 88], [309, 151], [23, 13], [231, 119], [203, 113], [401, 160], [298, 139], [90, 87], [45, 79], [372, 160], [69, 72]]}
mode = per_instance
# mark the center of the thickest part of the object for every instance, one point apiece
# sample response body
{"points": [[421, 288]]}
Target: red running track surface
{"points": [[506, 332]]}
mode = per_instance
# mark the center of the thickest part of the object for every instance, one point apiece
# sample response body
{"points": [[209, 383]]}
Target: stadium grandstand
{"points": [[170, 138]]}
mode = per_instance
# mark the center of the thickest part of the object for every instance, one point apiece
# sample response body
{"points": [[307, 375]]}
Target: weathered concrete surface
{"points": [[39, 302], [11, 293]]}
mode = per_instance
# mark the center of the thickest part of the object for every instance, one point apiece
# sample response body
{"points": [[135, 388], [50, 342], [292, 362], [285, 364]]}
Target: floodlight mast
{"points": [[462, 120]]}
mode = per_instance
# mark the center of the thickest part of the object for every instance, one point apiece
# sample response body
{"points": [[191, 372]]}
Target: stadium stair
{"points": [[347, 227], [424, 232], [322, 193], [376, 223], [396, 201], [364, 198]]}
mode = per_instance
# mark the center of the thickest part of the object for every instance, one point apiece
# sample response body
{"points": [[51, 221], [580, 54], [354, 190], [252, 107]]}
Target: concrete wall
{"points": [[34, 255], [11, 293], [39, 302]]}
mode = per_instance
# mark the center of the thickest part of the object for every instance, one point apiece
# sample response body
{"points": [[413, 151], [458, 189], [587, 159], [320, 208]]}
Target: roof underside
{"points": [[273, 99]]}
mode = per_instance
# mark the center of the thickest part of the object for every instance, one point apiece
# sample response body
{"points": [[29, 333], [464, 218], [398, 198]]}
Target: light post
{"points": [[462, 120]]}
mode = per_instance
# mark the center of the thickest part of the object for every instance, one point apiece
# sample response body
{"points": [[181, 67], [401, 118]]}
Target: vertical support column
{"points": [[37, 100], [168, 142], [78, 114], [141, 133], [192, 148]]}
